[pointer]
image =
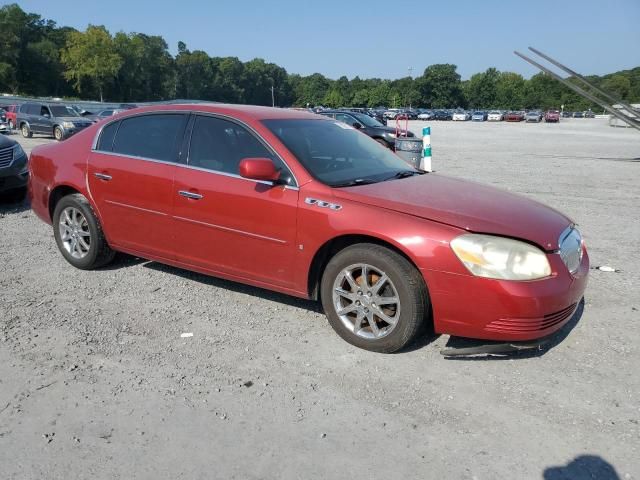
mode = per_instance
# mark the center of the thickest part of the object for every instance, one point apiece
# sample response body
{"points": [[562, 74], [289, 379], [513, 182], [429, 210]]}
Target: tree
{"points": [[482, 89], [618, 85], [509, 90], [440, 86], [91, 55]]}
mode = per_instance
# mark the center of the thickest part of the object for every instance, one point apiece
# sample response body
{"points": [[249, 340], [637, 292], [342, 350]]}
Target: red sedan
{"points": [[308, 206], [514, 117]]}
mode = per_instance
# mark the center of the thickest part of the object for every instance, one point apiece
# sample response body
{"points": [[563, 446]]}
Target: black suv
{"points": [[13, 168], [372, 127], [54, 119]]}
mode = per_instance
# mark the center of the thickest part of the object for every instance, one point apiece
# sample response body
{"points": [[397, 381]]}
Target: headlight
{"points": [[68, 124], [501, 258], [18, 151]]}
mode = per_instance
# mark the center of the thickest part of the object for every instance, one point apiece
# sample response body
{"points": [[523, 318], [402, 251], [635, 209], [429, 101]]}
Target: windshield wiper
{"points": [[357, 181], [404, 174]]}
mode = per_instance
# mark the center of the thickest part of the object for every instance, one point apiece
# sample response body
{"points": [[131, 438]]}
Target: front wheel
{"points": [[26, 131], [58, 134], [374, 298], [79, 234]]}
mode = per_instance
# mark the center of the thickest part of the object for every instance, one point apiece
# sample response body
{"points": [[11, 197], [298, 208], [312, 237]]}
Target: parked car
{"points": [[533, 116], [514, 116], [426, 115], [303, 205], [104, 114], [380, 133], [589, 114], [479, 116], [567, 114], [11, 111], [13, 169], [495, 116], [54, 119], [578, 115], [552, 116], [460, 116], [442, 115], [391, 113]]}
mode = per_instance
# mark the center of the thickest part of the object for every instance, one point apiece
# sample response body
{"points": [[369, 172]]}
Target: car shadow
{"points": [[10, 206], [584, 466], [262, 293], [553, 341]]}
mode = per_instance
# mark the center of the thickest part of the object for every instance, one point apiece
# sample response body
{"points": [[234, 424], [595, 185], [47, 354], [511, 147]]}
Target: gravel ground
{"points": [[96, 381]]}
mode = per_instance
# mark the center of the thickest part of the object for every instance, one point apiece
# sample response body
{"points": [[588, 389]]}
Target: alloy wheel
{"points": [[366, 301], [74, 232]]}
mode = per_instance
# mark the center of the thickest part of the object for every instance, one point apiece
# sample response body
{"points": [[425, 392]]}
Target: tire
{"points": [[99, 253], [26, 131], [58, 134], [403, 283]]}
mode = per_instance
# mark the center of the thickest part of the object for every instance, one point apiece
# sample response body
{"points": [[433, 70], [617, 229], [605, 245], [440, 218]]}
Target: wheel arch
{"points": [[331, 247], [59, 192]]}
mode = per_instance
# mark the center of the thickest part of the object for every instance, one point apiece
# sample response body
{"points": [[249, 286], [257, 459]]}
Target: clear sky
{"points": [[376, 38]]}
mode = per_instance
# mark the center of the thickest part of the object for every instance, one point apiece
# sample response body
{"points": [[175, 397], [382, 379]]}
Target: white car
{"points": [[461, 116], [391, 113], [495, 116], [425, 116]]}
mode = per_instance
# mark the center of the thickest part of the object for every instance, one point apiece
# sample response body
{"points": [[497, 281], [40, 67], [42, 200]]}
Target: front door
{"points": [[131, 176], [229, 224]]}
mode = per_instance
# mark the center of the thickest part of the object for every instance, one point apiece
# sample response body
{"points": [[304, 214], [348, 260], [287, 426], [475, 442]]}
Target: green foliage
{"points": [[91, 55], [39, 58]]}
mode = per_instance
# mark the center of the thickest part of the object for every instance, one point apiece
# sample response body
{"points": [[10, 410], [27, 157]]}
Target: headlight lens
{"points": [[67, 124], [500, 258], [18, 151]]}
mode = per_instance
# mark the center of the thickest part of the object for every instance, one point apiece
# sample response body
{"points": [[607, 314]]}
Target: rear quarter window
{"points": [[108, 134], [149, 136]]}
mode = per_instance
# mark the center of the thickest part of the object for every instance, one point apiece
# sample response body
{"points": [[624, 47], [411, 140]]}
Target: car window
{"points": [[149, 136], [105, 142], [344, 118], [44, 111], [33, 109], [106, 113], [220, 145]]}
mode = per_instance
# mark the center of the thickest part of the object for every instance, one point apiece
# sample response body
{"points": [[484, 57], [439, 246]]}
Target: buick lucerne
{"points": [[305, 205]]}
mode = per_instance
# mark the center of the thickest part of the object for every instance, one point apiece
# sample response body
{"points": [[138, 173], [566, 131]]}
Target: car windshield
{"points": [[337, 154], [478, 113], [62, 111], [366, 120]]}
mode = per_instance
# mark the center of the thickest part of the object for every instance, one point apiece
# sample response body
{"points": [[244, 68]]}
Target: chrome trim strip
{"points": [[182, 165], [232, 230], [125, 205], [94, 145], [102, 176], [322, 204]]}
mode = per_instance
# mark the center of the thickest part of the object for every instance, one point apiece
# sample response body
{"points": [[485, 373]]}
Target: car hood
{"points": [[74, 119], [464, 204]]}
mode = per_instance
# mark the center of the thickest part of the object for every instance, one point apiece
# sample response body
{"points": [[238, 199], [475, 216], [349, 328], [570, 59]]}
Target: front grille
{"points": [[6, 157], [529, 325], [571, 249]]}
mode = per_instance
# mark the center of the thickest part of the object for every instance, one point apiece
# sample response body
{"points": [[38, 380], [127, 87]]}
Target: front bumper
{"points": [[475, 307], [67, 132], [15, 176]]}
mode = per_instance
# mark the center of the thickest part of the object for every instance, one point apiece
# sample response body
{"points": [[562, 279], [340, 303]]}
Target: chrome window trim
{"points": [[191, 167], [94, 145]]}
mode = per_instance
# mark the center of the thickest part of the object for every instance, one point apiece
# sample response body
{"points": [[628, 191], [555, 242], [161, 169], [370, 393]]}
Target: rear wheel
{"points": [[26, 131], [374, 298], [79, 234], [58, 134]]}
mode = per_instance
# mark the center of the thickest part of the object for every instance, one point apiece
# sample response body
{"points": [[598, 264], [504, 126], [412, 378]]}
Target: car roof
{"points": [[242, 112]]}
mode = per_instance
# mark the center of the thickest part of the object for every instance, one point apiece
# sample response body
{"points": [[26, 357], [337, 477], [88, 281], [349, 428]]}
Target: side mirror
{"points": [[259, 169], [357, 126]]}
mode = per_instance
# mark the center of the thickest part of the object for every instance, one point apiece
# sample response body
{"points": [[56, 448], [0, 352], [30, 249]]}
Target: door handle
{"points": [[102, 176], [191, 195]]}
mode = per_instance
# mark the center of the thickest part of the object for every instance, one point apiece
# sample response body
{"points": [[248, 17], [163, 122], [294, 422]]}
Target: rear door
{"points": [[130, 177], [226, 223]]}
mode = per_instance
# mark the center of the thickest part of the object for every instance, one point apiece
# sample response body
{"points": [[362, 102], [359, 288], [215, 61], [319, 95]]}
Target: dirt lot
{"points": [[96, 381]]}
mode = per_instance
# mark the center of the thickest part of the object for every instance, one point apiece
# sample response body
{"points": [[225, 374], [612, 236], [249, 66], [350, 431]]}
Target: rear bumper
{"points": [[482, 308]]}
